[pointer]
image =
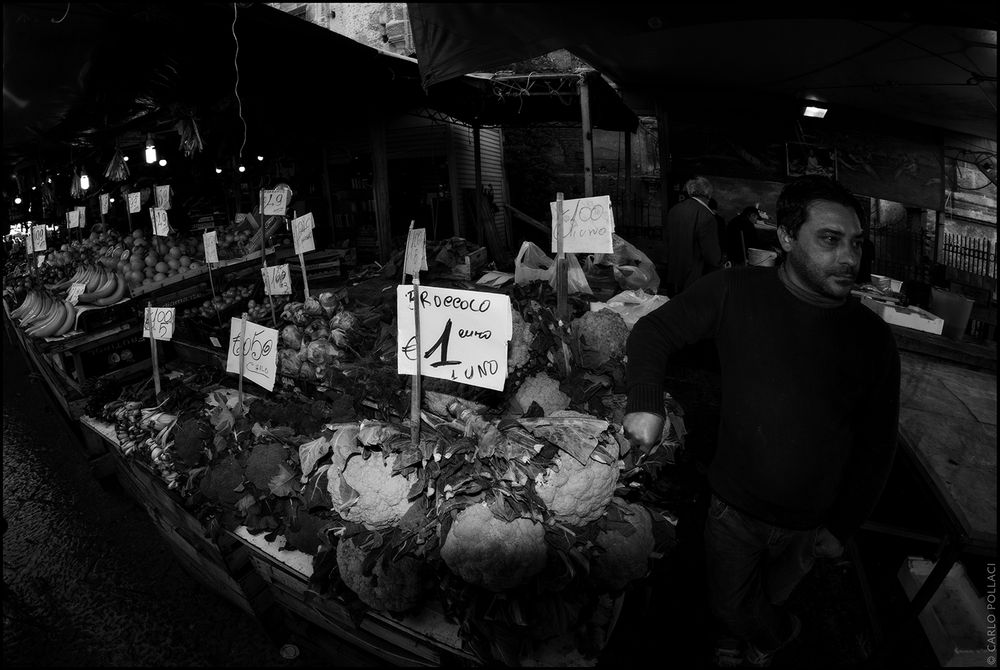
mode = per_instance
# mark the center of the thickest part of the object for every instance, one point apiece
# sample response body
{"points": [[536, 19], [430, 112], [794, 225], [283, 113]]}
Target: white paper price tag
{"points": [[260, 353], [161, 320], [463, 335], [302, 234], [277, 280], [82, 209], [163, 197], [415, 259], [105, 203], [38, 238], [41, 260], [29, 243], [74, 292], [73, 218], [160, 225], [587, 225], [211, 241], [134, 204], [275, 202]]}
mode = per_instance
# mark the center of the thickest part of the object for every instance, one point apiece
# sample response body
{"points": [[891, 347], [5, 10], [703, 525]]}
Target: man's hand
{"points": [[827, 545], [643, 429]]}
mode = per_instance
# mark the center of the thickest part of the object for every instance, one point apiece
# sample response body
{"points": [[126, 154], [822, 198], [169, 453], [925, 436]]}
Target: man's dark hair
{"points": [[797, 195]]}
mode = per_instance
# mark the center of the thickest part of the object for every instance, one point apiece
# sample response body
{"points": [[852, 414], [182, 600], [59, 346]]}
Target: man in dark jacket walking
{"points": [[809, 410], [692, 237]]}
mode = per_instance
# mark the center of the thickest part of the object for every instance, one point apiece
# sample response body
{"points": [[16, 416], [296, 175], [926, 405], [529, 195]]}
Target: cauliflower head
{"points": [[381, 501], [491, 552], [544, 390], [577, 493], [600, 337], [519, 351], [624, 557], [394, 587]]}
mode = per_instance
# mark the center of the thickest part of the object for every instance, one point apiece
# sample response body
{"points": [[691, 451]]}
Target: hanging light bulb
{"points": [[17, 200], [125, 158], [33, 188], [150, 149], [241, 169], [259, 157], [218, 170], [163, 162], [84, 180], [110, 200]]}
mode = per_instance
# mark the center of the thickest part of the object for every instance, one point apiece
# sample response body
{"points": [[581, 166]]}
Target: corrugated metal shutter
{"points": [[491, 148]]}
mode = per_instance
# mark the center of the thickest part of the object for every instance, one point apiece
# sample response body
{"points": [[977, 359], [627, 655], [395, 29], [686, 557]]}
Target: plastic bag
{"points": [[632, 268], [532, 264], [632, 305]]}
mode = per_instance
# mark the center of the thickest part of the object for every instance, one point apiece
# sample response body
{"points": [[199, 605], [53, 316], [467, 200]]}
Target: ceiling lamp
{"points": [[259, 157], [241, 169], [150, 150], [17, 200], [814, 111], [84, 180], [163, 162]]}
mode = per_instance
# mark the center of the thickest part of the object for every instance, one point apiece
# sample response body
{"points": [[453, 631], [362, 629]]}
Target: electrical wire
{"points": [[236, 86], [65, 14]]}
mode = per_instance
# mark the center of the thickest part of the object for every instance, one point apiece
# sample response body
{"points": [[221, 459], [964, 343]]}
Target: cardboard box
{"points": [[468, 268], [908, 317], [955, 619]]}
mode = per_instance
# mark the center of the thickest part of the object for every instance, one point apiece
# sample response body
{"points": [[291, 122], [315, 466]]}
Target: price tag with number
{"points": [[38, 238], [277, 280], [82, 209], [75, 290], [463, 335], [134, 203], [163, 197], [302, 233], [275, 202], [29, 243], [211, 241], [105, 203], [73, 218], [160, 225], [587, 225], [260, 352], [159, 320]]}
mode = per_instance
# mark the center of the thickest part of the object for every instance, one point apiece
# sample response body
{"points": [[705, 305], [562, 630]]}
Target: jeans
{"points": [[752, 568]]}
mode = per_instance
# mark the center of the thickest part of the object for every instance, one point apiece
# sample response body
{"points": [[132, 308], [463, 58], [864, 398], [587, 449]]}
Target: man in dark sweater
{"points": [[809, 409]]}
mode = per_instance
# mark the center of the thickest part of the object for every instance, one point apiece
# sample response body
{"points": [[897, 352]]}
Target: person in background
{"points": [[741, 234], [692, 237], [808, 416], [720, 221]]}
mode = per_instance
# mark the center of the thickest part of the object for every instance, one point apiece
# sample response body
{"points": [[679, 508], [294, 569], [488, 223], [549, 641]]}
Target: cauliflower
{"points": [[491, 552], [544, 390], [575, 493], [393, 587], [624, 557], [381, 496], [291, 336], [519, 352], [600, 338]]}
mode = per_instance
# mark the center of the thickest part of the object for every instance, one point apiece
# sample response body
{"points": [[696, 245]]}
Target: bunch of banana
{"points": [[41, 315], [104, 286]]}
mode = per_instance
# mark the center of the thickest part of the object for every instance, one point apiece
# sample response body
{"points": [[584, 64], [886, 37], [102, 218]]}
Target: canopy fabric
{"points": [[932, 66]]}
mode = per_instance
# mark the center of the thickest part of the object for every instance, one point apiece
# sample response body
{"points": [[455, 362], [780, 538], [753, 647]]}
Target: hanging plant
{"points": [[117, 168], [190, 137]]}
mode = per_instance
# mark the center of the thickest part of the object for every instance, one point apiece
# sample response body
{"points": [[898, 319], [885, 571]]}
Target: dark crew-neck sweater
{"points": [[810, 396]]}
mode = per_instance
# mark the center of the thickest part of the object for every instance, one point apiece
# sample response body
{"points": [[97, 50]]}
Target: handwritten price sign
{"points": [[463, 335], [276, 280], [260, 353], [73, 218], [38, 238], [163, 197], [105, 203], [211, 242], [159, 321], [82, 209], [415, 259], [587, 225], [134, 203], [29, 243], [160, 225], [302, 233], [74, 292], [275, 202]]}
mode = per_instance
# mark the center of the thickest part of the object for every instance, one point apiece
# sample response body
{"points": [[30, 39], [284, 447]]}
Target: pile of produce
{"points": [[524, 515]]}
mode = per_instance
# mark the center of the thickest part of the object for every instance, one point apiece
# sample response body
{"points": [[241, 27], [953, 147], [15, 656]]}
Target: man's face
{"points": [[824, 257]]}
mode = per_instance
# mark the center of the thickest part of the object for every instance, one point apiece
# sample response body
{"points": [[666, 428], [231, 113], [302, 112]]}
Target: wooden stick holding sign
{"points": [[562, 289], [152, 347], [210, 241], [414, 261], [263, 255], [302, 239], [243, 353]]}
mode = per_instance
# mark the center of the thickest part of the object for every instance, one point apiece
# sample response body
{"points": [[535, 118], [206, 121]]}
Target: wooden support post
{"points": [[663, 144], [562, 288], [380, 172], [627, 208], [588, 137], [477, 161]]}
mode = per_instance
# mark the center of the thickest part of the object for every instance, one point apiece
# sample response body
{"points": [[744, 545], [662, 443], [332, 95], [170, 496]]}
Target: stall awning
{"points": [[930, 66]]}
